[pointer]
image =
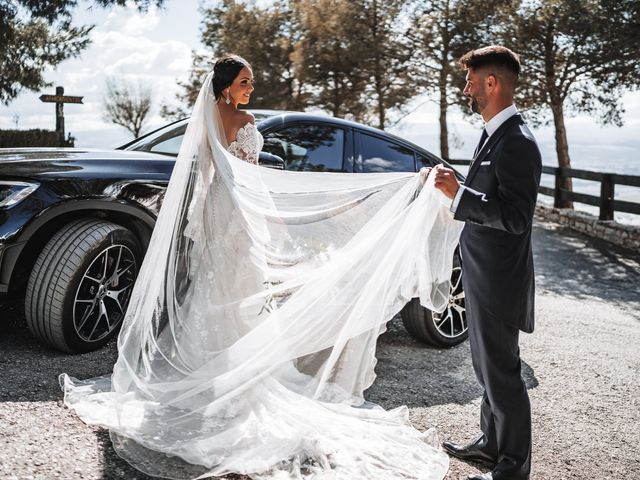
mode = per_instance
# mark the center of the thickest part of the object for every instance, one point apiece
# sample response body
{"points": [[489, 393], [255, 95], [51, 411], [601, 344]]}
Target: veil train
{"points": [[251, 332]]}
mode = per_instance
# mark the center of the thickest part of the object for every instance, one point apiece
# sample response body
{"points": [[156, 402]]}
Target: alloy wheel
{"points": [[103, 293], [452, 322]]}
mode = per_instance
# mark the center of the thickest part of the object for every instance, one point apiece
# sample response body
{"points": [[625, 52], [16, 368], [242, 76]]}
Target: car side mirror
{"points": [[270, 160]]}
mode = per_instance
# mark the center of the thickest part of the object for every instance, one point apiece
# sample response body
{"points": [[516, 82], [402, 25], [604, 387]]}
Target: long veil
{"points": [[251, 331]]}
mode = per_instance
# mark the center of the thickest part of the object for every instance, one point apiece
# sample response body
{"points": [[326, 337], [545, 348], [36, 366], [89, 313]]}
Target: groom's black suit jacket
{"points": [[497, 207]]}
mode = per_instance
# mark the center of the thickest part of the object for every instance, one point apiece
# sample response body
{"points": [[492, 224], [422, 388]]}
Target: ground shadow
{"points": [[29, 370], [115, 468], [571, 264], [409, 373]]}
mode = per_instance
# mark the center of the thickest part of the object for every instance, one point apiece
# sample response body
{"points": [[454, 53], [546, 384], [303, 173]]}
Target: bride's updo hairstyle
{"points": [[225, 71]]}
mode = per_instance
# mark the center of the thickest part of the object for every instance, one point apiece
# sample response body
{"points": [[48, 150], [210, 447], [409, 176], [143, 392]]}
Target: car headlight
{"points": [[12, 193]]}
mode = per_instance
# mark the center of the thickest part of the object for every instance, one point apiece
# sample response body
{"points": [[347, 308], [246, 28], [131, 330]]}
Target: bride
{"points": [[250, 335]]}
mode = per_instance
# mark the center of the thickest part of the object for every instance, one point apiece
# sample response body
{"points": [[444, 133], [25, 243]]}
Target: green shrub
{"points": [[34, 138]]}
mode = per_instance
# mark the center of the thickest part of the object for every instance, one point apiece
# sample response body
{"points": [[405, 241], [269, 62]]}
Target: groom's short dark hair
{"points": [[496, 57]]}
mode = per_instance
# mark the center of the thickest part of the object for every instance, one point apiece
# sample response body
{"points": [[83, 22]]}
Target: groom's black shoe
{"points": [[471, 452]]}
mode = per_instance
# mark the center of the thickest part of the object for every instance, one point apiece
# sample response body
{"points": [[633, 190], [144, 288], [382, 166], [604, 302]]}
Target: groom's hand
{"points": [[446, 181]]}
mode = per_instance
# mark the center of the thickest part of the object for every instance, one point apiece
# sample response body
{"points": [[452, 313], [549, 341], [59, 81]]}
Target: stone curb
{"points": [[626, 236]]}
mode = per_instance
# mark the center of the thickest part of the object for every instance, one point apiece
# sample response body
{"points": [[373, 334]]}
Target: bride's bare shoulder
{"points": [[243, 117], [237, 121]]}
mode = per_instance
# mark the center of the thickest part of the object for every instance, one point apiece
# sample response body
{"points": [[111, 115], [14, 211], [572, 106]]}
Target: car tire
{"points": [[440, 330], [80, 285]]}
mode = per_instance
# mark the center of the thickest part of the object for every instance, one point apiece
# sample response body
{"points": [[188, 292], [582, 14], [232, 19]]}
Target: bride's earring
{"points": [[228, 100]]}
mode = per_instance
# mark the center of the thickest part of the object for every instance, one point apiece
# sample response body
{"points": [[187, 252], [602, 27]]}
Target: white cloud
{"points": [[132, 22]]}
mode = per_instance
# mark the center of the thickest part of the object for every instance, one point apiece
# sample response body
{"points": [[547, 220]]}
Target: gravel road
{"points": [[581, 368]]}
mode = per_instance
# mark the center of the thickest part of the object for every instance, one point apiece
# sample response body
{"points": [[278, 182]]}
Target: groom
{"points": [[497, 203]]}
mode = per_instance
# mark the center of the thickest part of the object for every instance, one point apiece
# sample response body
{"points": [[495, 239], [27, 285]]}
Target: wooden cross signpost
{"points": [[60, 99]]}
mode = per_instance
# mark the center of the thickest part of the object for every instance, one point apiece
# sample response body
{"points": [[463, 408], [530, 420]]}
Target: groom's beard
{"points": [[473, 104]]}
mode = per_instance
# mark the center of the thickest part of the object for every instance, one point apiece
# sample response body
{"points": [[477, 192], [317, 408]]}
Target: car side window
{"points": [[379, 155], [424, 161], [316, 148], [170, 146]]}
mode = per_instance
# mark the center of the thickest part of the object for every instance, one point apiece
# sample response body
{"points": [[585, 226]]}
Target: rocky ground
{"points": [[581, 367]]}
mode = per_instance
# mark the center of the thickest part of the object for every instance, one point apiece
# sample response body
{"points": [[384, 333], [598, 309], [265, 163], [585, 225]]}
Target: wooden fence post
{"points": [[606, 197], [557, 193]]}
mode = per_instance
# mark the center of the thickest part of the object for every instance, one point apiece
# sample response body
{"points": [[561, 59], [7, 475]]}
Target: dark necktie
{"points": [[483, 137]]}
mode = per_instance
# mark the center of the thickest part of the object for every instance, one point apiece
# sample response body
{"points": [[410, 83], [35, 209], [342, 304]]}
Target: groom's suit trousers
{"points": [[497, 206], [505, 412]]}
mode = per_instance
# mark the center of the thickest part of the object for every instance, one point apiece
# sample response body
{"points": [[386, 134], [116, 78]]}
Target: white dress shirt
{"points": [[491, 126]]}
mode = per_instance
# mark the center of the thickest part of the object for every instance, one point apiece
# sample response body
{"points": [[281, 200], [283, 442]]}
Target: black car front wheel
{"points": [[445, 329], [81, 284]]}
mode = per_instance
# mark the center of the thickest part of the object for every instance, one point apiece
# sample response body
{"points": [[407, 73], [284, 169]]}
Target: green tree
{"points": [[36, 34], [354, 57], [329, 56], [342, 56], [264, 36], [386, 63], [442, 31], [578, 56]]}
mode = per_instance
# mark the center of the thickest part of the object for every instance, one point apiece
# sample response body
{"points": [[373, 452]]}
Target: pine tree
{"points": [[442, 31], [329, 56], [578, 56], [264, 36]]}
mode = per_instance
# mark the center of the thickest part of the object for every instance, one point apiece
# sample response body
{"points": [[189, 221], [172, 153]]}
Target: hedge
{"points": [[34, 138]]}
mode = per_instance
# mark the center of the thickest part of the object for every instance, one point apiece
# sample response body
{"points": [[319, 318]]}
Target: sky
{"points": [[155, 49]]}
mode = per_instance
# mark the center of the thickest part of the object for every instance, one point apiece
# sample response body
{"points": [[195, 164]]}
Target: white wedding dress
{"points": [[250, 335]]}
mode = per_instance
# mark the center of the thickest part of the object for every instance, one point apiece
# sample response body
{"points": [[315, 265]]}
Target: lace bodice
{"points": [[247, 144]]}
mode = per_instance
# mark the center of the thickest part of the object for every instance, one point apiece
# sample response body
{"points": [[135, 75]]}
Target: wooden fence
{"points": [[605, 201]]}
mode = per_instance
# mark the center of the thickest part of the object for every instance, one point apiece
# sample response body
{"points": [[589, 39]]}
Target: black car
{"points": [[75, 223]]}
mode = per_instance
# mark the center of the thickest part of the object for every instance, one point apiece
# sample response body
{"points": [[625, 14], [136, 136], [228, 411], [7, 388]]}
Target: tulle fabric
{"points": [[251, 332]]}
